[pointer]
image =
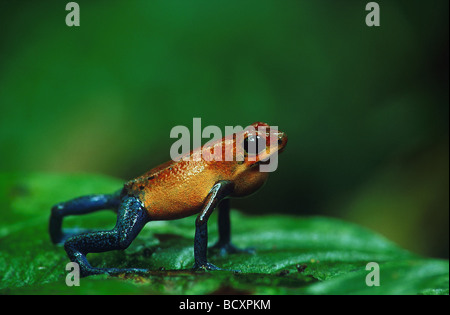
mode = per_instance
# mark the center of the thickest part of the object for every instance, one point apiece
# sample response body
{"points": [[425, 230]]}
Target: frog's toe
{"points": [[205, 267], [87, 270], [126, 271]]}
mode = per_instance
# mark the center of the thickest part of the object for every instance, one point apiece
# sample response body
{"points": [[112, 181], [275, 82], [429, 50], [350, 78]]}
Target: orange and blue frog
{"points": [[176, 189]]}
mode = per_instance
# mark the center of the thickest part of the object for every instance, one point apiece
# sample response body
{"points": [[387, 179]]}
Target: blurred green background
{"points": [[366, 109]]}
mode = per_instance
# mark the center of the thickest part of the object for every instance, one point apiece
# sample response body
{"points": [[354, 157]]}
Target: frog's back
{"points": [[173, 190]]}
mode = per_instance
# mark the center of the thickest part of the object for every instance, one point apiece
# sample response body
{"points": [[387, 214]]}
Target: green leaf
{"points": [[294, 255]]}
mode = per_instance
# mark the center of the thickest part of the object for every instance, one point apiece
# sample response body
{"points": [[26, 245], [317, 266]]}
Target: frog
{"points": [[189, 185]]}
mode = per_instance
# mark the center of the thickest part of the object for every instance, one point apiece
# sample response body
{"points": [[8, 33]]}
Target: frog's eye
{"points": [[254, 145]]}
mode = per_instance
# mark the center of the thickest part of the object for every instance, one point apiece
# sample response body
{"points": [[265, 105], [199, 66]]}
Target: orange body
{"points": [[178, 189]]}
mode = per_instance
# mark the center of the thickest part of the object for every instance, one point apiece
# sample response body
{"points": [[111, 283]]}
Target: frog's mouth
{"points": [[263, 162]]}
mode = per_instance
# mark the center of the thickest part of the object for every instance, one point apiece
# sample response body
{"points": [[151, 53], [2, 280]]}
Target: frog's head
{"points": [[260, 146], [245, 157], [254, 148], [256, 145], [256, 152]]}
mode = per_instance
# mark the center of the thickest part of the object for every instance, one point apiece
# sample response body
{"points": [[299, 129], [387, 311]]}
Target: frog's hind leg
{"points": [[131, 218], [78, 206]]}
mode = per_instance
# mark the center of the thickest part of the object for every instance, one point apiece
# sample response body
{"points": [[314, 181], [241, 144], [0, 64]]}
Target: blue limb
{"points": [[224, 245], [78, 206], [219, 192], [131, 218]]}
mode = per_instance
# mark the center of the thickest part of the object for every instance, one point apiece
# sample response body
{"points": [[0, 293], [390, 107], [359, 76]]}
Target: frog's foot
{"points": [[210, 267], [87, 270], [229, 248], [205, 266], [126, 271]]}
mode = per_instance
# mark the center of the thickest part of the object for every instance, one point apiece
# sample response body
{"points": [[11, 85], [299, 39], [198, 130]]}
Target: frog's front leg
{"points": [[218, 193], [224, 245], [131, 218]]}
